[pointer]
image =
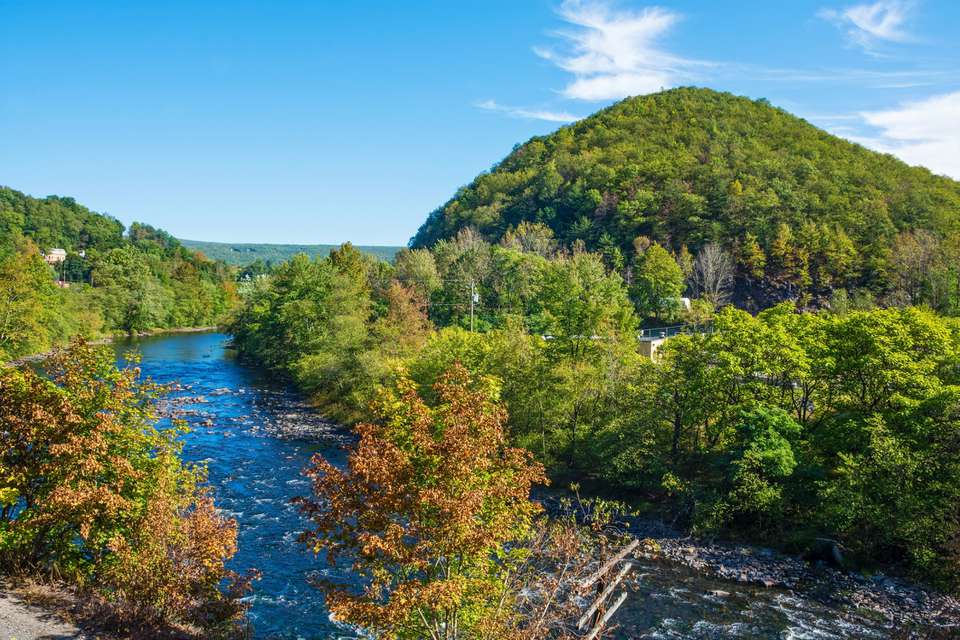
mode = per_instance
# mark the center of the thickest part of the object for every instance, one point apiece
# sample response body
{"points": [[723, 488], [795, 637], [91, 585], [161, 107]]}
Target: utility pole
{"points": [[473, 299]]}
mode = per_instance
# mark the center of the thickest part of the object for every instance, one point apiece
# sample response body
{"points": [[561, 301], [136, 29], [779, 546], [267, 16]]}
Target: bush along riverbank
{"points": [[93, 493]]}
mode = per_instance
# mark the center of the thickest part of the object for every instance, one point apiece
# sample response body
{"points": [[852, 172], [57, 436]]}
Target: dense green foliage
{"points": [[109, 281], [240, 254], [802, 212], [93, 492], [782, 428], [787, 426], [423, 513], [55, 222], [333, 324]]}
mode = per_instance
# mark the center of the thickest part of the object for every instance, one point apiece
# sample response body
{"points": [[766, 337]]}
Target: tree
{"points": [[27, 296], [788, 263], [612, 255], [337, 325], [75, 269], [913, 260], [581, 305], [94, 492], [949, 274], [530, 237], [712, 275], [132, 298], [405, 326], [839, 257], [880, 359], [686, 261], [417, 268], [763, 459], [352, 263], [658, 283], [751, 258], [422, 512], [895, 496], [464, 264]]}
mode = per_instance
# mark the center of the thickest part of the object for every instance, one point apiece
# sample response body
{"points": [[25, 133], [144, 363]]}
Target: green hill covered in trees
{"points": [[109, 280], [800, 213], [242, 254]]}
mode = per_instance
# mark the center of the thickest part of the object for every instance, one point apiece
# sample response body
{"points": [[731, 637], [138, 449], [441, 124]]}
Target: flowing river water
{"points": [[255, 435]]}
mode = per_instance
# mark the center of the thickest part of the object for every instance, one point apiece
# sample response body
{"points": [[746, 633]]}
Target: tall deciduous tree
{"points": [[915, 254], [712, 274], [750, 258], [423, 511], [416, 268], [530, 237], [658, 283], [581, 304], [27, 297]]}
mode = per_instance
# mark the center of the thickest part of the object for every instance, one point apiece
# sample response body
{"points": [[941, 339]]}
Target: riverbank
{"points": [[33, 611], [38, 357], [20, 621], [902, 605], [902, 608]]}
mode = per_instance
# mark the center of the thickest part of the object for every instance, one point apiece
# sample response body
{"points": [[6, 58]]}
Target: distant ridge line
{"points": [[243, 253]]}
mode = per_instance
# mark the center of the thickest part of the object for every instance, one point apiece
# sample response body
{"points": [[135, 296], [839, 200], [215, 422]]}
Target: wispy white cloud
{"points": [[866, 78], [868, 24], [534, 114], [615, 53], [923, 132]]}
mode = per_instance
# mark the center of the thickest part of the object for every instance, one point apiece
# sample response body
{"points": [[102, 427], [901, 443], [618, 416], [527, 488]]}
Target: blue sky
{"points": [[320, 122]]}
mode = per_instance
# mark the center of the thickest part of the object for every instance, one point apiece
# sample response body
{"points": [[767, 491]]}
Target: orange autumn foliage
{"points": [[426, 512], [92, 491]]}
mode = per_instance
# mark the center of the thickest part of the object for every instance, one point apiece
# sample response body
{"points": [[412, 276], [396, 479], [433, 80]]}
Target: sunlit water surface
{"points": [[241, 420]]}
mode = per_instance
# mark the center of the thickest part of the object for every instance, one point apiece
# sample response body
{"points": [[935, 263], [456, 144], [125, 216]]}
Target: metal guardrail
{"points": [[661, 332], [657, 333]]}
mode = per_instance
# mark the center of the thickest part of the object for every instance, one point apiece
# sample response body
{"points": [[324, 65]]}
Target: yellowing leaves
{"points": [[102, 495]]}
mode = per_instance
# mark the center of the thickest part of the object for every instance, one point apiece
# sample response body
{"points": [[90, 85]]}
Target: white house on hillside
{"points": [[55, 256]]}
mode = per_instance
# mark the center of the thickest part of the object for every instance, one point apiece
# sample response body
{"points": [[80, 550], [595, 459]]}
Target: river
{"points": [[256, 435]]}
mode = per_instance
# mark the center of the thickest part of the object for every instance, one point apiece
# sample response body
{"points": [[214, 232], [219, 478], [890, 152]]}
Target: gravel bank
{"points": [[21, 621], [900, 603]]}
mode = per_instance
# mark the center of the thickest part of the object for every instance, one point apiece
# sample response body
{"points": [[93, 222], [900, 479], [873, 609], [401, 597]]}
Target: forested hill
{"points": [[242, 254], [55, 222], [800, 210], [110, 279], [60, 222]]}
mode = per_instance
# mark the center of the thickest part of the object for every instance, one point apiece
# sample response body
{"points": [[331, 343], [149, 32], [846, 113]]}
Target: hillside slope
{"points": [[796, 205], [242, 254]]}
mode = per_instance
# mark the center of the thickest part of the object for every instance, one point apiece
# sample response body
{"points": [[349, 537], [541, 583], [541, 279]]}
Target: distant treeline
{"points": [[110, 279], [242, 254]]}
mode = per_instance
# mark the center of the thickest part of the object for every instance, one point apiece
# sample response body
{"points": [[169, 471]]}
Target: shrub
{"points": [[92, 491]]}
